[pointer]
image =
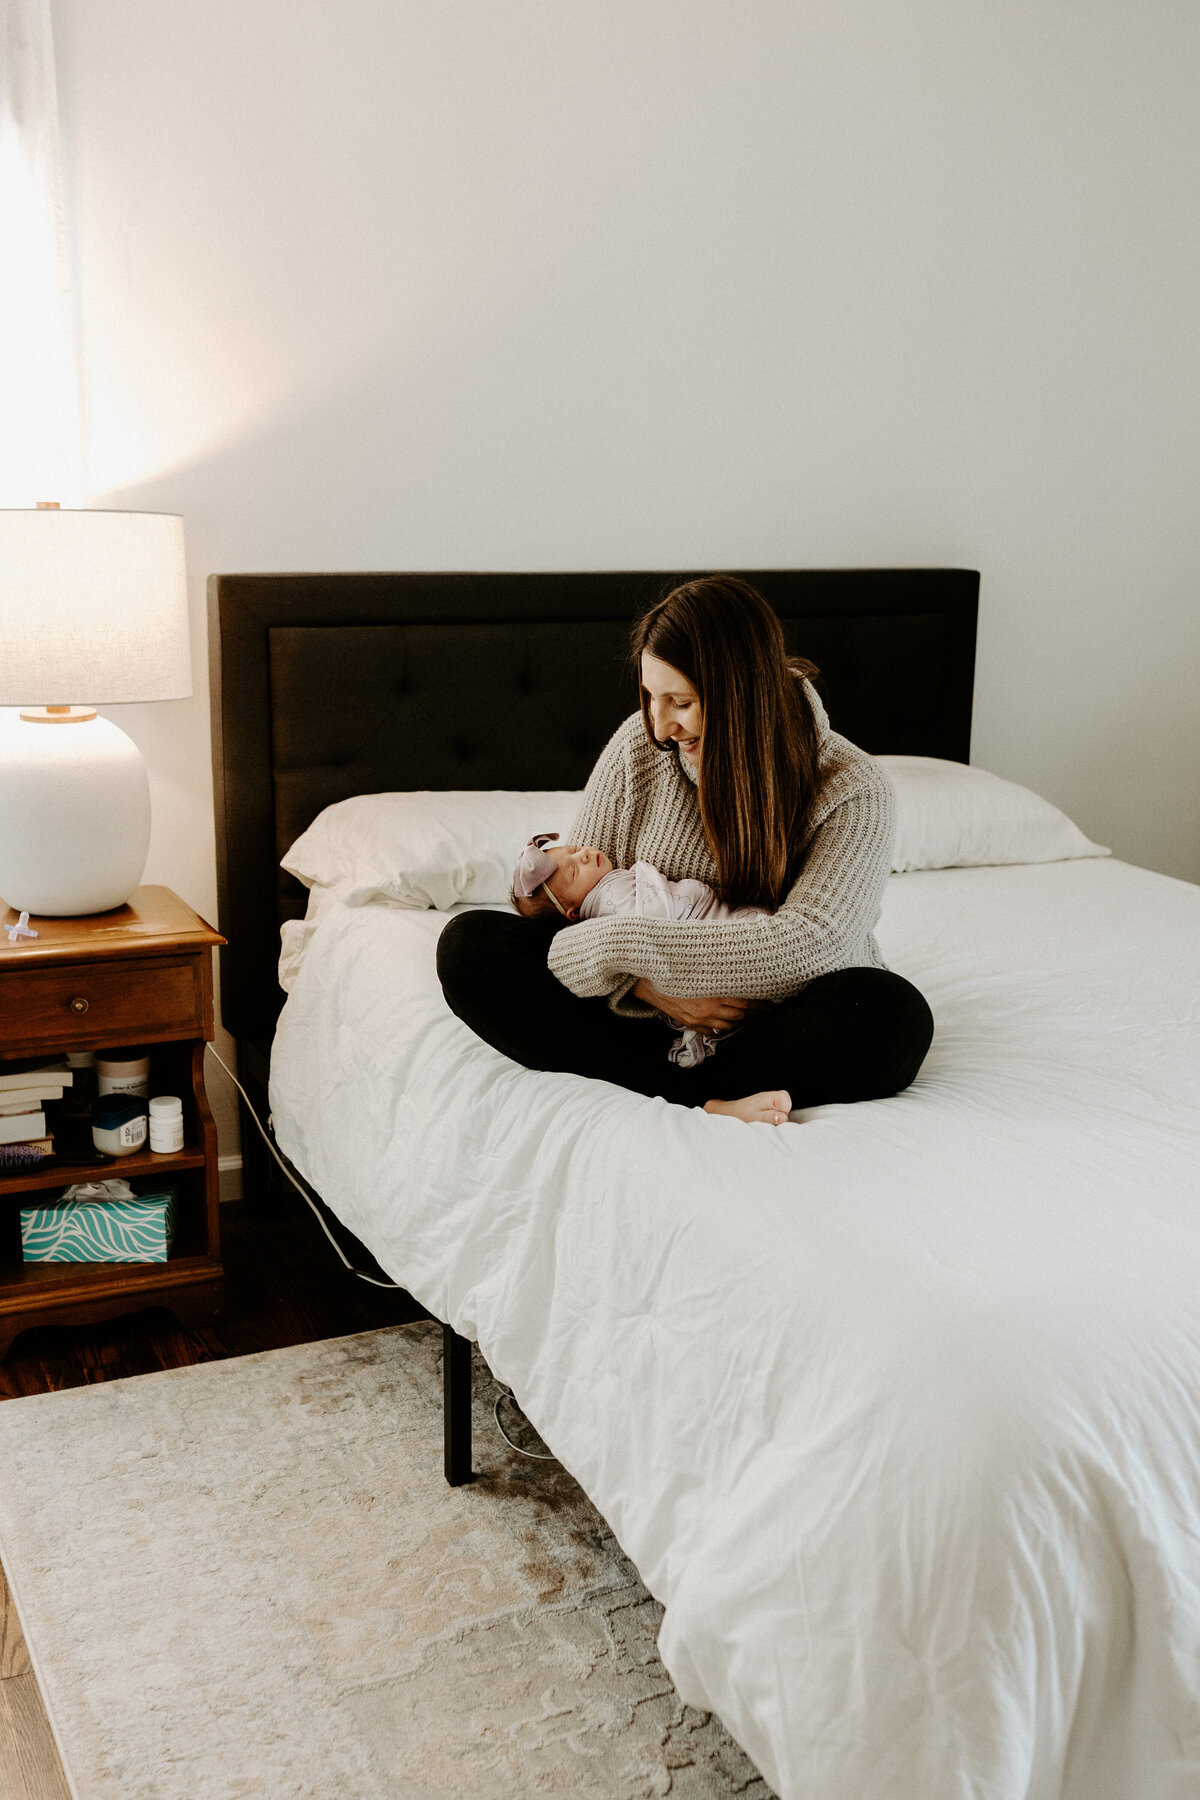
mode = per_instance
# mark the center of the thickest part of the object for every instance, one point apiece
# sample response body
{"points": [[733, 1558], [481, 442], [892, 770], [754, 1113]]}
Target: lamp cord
{"points": [[297, 1183], [301, 1188], [506, 1393]]}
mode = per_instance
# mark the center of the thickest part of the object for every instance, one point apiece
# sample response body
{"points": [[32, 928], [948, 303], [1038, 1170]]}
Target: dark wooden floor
{"points": [[283, 1285]]}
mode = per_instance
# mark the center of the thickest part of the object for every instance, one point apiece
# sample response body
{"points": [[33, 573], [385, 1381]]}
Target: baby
{"points": [[577, 882]]}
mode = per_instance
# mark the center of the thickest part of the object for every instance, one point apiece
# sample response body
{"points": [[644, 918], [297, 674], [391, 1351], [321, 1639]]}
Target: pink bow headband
{"points": [[534, 866]]}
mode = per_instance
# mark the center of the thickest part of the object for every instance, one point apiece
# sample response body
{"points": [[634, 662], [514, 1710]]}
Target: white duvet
{"points": [[897, 1407]]}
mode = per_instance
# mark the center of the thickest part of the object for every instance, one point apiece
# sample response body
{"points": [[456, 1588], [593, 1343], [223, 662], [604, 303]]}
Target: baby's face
{"points": [[580, 867]]}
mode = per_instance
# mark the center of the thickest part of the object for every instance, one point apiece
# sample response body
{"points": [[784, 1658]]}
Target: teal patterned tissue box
{"points": [[117, 1231]]}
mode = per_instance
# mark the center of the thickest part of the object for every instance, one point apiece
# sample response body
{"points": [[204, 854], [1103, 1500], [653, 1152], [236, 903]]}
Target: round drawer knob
{"points": [[79, 1004]]}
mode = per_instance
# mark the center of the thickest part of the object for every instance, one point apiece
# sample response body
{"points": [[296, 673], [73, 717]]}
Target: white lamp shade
{"points": [[93, 608]]}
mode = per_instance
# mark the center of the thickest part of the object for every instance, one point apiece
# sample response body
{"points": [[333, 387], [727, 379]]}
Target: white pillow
{"points": [[425, 848], [951, 816], [430, 849]]}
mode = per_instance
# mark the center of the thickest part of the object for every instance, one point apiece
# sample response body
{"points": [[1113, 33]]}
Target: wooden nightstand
{"points": [[141, 974]]}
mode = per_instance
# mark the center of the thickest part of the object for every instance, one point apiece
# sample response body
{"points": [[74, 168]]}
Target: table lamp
{"points": [[93, 612]]}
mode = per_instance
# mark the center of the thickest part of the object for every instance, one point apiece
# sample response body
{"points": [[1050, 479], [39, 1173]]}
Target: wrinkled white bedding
{"points": [[896, 1408]]}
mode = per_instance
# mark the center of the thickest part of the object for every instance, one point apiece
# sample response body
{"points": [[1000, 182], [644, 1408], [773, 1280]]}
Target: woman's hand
{"points": [[706, 1015]]}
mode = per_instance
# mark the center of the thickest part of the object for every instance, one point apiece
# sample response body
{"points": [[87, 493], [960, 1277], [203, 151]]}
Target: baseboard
{"points": [[229, 1169]]}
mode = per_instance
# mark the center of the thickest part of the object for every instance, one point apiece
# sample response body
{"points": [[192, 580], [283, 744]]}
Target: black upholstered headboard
{"points": [[330, 685]]}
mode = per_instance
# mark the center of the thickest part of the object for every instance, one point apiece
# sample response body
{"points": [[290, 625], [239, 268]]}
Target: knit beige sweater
{"points": [[641, 804]]}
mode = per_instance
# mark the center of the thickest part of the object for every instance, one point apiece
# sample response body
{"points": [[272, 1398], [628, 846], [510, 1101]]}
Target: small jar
{"points": [[73, 1113], [82, 1090], [123, 1072], [119, 1125], [166, 1123]]}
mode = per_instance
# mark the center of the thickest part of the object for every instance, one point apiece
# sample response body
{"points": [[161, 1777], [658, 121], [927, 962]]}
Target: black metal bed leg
{"points": [[456, 1405]]}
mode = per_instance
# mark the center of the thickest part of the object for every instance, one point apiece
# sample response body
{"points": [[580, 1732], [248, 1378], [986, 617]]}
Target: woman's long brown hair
{"points": [[759, 743]]}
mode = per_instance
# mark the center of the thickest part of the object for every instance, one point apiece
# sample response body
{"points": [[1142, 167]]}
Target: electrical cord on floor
{"points": [[268, 1140], [505, 1393]]}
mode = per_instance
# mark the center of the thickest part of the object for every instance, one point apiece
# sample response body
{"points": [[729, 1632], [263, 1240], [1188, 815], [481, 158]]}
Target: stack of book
{"points": [[26, 1084]]}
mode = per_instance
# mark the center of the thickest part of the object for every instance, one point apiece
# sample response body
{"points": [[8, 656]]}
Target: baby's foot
{"points": [[771, 1108]]}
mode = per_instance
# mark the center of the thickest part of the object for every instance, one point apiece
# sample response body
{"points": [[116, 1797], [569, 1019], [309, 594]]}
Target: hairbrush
{"points": [[22, 1156]]}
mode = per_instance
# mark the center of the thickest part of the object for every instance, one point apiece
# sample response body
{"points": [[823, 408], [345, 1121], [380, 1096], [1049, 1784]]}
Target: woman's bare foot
{"points": [[771, 1108]]}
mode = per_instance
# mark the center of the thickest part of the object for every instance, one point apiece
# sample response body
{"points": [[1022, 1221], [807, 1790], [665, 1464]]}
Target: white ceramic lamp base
{"points": [[74, 816]]}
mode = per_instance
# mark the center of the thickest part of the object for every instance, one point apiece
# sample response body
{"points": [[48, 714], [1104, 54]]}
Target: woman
{"points": [[730, 775]]}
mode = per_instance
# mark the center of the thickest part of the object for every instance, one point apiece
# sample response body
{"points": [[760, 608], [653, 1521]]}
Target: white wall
{"points": [[650, 283]]}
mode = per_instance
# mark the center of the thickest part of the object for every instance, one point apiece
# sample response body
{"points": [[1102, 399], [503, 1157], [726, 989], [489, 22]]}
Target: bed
{"points": [[897, 1408]]}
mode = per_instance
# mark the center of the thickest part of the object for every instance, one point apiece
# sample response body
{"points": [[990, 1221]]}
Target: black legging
{"points": [[858, 1034]]}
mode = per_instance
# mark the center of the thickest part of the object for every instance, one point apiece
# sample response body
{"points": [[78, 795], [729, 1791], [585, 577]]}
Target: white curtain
{"points": [[39, 403]]}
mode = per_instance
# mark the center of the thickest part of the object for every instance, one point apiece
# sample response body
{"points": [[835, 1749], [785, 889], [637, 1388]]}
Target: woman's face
{"points": [[675, 710]]}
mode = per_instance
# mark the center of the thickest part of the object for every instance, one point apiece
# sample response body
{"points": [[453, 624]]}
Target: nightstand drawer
{"points": [[71, 1004]]}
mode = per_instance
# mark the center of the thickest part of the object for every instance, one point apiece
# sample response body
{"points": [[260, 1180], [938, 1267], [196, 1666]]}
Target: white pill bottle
{"points": [[166, 1123]]}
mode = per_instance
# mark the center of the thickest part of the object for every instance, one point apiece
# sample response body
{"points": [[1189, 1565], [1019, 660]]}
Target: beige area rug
{"points": [[248, 1581]]}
